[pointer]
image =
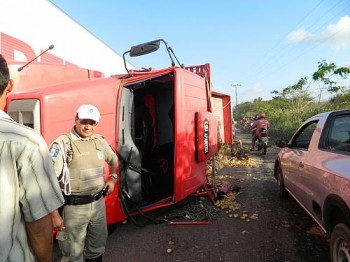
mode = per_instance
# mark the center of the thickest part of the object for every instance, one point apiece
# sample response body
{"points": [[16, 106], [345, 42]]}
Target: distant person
{"points": [[84, 231], [252, 122], [29, 189], [258, 124]]}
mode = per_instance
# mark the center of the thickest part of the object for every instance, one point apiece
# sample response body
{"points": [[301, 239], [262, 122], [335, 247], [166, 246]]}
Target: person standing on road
{"points": [[79, 158], [29, 191], [260, 123]]}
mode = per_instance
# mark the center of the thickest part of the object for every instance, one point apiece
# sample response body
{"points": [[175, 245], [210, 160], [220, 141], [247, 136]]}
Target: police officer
{"points": [[79, 158]]}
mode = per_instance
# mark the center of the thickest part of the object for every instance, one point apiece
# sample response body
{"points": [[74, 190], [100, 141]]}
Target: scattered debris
{"points": [[226, 187], [193, 214], [316, 230], [244, 232], [286, 224], [228, 202], [234, 155]]}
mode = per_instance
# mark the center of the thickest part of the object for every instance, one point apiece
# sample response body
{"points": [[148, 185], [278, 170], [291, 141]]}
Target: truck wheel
{"points": [[280, 182], [340, 243]]}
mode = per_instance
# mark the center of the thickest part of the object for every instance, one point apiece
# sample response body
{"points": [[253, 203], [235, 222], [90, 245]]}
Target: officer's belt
{"points": [[82, 200]]}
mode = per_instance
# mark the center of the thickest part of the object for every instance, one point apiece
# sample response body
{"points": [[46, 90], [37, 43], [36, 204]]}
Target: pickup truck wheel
{"points": [[340, 243], [280, 182]]}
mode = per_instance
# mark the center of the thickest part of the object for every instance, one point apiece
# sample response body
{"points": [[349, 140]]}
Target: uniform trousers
{"points": [[86, 231]]}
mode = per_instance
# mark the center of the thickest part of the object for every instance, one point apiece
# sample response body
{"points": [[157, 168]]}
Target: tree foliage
{"points": [[291, 106], [325, 73], [297, 97]]}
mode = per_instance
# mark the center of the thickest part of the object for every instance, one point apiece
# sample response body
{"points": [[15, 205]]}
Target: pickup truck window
{"points": [[338, 138], [303, 137]]}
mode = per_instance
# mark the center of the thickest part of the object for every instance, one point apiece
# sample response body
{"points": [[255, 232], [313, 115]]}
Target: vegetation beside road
{"points": [[290, 107]]}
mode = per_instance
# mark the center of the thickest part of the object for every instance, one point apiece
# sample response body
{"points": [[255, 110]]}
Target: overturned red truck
{"points": [[159, 122]]}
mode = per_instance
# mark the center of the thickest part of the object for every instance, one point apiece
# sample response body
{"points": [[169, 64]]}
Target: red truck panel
{"points": [[173, 166]]}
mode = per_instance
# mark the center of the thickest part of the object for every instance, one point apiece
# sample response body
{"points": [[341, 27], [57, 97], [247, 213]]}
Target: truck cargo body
{"points": [[221, 108]]}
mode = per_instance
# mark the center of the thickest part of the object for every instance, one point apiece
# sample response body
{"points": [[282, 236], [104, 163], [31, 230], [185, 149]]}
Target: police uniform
{"points": [[84, 212]]}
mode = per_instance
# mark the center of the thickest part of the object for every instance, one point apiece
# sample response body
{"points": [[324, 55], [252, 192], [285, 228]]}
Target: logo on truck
{"points": [[206, 136], [16, 50]]}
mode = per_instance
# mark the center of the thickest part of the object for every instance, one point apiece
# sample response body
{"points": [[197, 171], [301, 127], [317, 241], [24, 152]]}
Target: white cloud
{"points": [[253, 92], [336, 35], [299, 35]]}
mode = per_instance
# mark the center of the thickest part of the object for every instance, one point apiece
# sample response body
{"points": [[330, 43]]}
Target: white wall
{"points": [[40, 23]]}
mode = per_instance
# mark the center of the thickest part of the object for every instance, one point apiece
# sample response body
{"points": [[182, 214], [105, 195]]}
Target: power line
{"points": [[312, 47], [281, 40], [281, 53]]}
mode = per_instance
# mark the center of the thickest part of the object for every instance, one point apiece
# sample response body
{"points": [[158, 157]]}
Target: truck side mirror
{"points": [[149, 47], [282, 143], [144, 49]]}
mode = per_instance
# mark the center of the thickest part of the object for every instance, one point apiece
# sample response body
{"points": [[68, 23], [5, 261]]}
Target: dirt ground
{"points": [[253, 225]]}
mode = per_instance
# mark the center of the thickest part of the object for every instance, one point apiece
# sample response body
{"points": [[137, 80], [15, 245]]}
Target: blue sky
{"points": [[259, 45]]}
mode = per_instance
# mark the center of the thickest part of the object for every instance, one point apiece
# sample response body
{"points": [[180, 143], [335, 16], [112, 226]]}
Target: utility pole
{"points": [[235, 86]]}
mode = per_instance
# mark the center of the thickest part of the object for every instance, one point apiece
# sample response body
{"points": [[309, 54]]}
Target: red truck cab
{"points": [[157, 121]]}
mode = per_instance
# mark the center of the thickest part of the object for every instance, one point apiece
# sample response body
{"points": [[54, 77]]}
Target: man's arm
{"points": [[41, 238], [110, 183], [57, 221], [113, 164], [114, 168]]}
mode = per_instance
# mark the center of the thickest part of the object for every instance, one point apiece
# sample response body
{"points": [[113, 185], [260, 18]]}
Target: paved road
{"points": [[281, 232]]}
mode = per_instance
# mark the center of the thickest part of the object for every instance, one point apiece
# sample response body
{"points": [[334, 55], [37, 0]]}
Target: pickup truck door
{"points": [[328, 162], [297, 160]]}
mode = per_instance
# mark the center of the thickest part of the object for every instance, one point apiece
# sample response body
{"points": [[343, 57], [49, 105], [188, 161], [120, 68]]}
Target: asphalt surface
{"points": [[280, 230]]}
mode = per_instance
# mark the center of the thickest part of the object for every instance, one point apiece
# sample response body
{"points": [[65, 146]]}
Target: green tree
{"points": [[296, 97], [324, 77], [294, 104]]}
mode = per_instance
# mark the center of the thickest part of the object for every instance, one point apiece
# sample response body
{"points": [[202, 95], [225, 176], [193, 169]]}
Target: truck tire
{"points": [[340, 243]]}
